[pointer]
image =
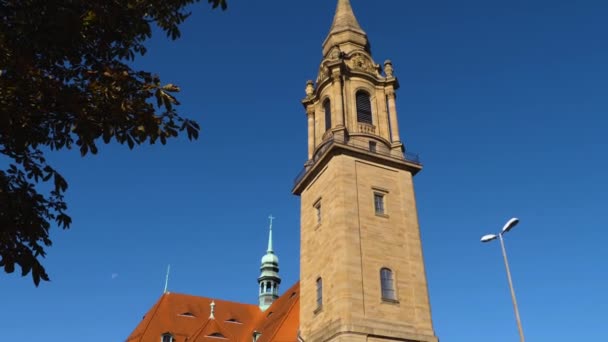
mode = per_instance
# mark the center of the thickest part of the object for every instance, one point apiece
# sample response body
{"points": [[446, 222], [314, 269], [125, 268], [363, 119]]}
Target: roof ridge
{"points": [[213, 298], [158, 304], [280, 325]]}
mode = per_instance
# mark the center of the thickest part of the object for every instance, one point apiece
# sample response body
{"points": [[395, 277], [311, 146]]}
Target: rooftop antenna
{"points": [[167, 278], [270, 250]]}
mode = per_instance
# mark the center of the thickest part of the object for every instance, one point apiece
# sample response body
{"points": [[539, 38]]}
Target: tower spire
{"points": [[269, 279], [345, 19], [345, 30]]}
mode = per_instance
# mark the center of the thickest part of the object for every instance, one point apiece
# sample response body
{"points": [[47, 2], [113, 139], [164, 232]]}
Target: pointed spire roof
{"points": [[270, 257], [345, 19], [345, 29]]}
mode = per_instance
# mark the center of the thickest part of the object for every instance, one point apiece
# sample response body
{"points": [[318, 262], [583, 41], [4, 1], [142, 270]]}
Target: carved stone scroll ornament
{"points": [[323, 73], [363, 63], [334, 54]]}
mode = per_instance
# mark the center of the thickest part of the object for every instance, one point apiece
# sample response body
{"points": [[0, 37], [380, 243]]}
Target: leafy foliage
{"points": [[65, 83]]}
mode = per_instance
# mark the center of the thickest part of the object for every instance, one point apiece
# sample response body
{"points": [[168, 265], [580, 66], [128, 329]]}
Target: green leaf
{"points": [[130, 142], [68, 86]]}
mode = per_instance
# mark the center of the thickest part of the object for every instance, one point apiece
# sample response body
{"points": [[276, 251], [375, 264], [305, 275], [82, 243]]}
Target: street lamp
{"points": [[489, 237]]}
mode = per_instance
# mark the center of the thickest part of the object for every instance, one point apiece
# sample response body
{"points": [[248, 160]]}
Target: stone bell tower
{"points": [[362, 270]]}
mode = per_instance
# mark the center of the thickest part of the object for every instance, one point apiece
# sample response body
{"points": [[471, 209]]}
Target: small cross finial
{"points": [[271, 219], [212, 314]]}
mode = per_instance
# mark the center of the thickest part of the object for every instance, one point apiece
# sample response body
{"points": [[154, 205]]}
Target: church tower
{"points": [[362, 270]]}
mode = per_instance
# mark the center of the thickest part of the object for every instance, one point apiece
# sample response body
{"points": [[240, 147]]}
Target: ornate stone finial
{"points": [[212, 314], [310, 88], [388, 68], [335, 53]]}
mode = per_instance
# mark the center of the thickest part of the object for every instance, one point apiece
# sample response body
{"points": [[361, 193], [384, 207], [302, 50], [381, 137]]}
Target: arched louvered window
{"points": [[319, 293], [387, 284], [166, 337], [364, 107], [327, 108]]}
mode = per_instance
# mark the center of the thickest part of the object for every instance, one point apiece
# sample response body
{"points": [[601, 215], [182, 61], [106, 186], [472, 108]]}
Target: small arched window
{"points": [[319, 293], [364, 107], [387, 283], [327, 109], [166, 337]]}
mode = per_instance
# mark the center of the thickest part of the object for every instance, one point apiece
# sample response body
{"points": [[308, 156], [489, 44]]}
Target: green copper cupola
{"points": [[269, 279]]}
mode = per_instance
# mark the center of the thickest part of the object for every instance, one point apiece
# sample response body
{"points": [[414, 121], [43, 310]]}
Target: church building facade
{"points": [[362, 275]]}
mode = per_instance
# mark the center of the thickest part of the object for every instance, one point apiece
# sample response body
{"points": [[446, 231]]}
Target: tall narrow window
{"points": [[317, 207], [166, 337], [327, 108], [387, 284], [364, 107], [379, 203], [319, 293]]}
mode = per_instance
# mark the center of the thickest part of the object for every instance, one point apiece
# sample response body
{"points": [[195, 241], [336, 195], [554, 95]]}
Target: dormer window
{"points": [[217, 335], [327, 109], [364, 107], [166, 337], [234, 320]]}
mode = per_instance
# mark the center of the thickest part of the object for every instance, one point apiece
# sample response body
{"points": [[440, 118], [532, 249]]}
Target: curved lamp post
{"points": [[489, 237]]}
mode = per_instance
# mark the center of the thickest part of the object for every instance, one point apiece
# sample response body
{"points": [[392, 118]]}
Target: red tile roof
{"points": [[187, 318]]}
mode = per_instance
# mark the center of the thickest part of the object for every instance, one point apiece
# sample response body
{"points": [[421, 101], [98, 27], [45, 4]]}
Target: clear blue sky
{"points": [[506, 102]]}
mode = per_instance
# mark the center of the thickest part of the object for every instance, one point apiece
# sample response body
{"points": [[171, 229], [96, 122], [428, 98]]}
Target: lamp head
{"points": [[509, 225], [488, 238]]}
